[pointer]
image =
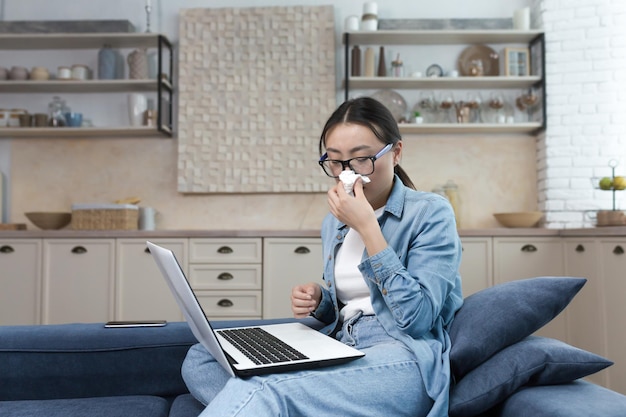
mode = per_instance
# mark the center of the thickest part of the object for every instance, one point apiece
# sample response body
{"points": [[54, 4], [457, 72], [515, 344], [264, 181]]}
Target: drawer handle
{"points": [[302, 250], [225, 276], [225, 250], [529, 248], [580, 248], [618, 250], [225, 303], [6, 249], [79, 250], [147, 250]]}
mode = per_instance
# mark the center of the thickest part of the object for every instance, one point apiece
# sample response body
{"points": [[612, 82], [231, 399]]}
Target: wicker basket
{"points": [[105, 217]]}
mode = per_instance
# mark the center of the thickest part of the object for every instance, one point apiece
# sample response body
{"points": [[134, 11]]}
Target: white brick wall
{"points": [[586, 89]]}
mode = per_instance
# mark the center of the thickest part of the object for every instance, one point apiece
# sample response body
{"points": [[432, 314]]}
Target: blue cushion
{"points": [[533, 361], [575, 399], [499, 316], [136, 406]]}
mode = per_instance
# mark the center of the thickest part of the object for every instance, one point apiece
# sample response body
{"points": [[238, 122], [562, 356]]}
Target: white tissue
{"points": [[349, 177]]}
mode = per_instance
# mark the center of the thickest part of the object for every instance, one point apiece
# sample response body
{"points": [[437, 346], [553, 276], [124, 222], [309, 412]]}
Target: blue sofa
{"points": [[500, 369]]}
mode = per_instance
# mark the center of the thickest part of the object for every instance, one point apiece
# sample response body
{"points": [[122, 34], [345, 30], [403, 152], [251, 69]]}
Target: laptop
{"points": [[294, 346]]}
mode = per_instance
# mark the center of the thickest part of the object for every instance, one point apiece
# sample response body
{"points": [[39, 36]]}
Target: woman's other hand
{"points": [[305, 299]]}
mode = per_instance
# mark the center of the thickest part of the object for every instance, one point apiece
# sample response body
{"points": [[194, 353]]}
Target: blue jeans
{"points": [[387, 381]]}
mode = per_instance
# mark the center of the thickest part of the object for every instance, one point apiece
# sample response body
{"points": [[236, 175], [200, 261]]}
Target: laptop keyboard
{"points": [[260, 346]]}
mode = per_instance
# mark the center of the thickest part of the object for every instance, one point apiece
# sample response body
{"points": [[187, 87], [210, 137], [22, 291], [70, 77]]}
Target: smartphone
{"points": [[136, 323]]}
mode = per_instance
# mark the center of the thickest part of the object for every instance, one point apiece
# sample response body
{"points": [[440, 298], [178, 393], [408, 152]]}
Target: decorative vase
{"points": [[138, 64], [107, 63], [382, 67], [153, 65], [137, 105]]}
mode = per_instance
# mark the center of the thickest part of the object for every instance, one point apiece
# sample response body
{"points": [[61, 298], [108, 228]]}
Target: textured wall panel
{"points": [[256, 86]]}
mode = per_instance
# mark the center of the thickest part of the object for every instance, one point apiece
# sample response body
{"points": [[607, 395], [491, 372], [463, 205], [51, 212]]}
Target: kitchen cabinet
{"points": [[20, 281], [78, 277], [288, 262], [225, 275], [141, 292], [476, 264], [519, 258], [425, 38], [612, 261], [162, 86], [585, 313]]}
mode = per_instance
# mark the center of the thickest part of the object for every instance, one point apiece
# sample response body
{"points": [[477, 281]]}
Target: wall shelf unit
{"points": [[86, 86], [83, 132], [162, 85], [435, 128], [535, 81]]}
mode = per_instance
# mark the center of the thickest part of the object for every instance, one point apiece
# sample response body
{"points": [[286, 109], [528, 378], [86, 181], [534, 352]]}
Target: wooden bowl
{"points": [[519, 219], [49, 220]]}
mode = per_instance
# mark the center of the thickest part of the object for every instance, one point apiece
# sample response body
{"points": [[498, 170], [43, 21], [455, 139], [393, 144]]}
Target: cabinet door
{"points": [[288, 262], [519, 258], [476, 264], [20, 281], [141, 292], [585, 314], [78, 276], [613, 269]]}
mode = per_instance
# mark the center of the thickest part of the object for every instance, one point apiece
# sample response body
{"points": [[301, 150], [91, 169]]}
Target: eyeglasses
{"points": [[363, 165]]}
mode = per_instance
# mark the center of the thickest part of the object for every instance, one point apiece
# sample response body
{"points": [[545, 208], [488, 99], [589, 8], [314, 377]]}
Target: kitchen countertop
{"points": [[615, 231]]}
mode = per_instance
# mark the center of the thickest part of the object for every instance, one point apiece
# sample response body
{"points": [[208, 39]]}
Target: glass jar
{"points": [[452, 192], [56, 112], [397, 67]]}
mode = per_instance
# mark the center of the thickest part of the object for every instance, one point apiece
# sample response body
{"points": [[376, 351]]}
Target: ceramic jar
{"points": [[39, 74], [138, 64], [80, 72], [18, 73], [4, 73], [4, 117], [14, 117], [64, 73], [369, 20]]}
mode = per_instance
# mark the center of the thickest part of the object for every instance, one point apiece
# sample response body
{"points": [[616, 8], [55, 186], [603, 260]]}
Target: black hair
{"points": [[372, 114]]}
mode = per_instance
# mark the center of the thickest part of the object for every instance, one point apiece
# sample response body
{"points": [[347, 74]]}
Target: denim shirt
{"points": [[414, 283]]}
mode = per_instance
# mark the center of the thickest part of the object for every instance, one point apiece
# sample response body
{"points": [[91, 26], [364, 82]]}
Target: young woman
{"points": [[391, 259]]}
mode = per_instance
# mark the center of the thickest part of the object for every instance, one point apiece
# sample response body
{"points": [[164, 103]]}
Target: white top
{"points": [[351, 288]]}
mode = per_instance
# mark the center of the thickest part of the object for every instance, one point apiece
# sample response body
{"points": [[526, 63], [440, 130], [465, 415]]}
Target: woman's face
{"points": [[351, 140]]}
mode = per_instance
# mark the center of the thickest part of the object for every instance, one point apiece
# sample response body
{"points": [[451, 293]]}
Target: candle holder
{"points": [[148, 10]]}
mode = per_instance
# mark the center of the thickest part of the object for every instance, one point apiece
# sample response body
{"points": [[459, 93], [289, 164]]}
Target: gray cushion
{"points": [[533, 361], [499, 316]]}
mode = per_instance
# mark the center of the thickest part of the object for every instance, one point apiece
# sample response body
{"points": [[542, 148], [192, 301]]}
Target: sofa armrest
{"points": [[89, 360]]}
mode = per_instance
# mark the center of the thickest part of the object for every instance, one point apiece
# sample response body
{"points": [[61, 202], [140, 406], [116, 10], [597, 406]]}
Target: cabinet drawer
{"points": [[225, 250], [230, 303], [225, 277]]}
